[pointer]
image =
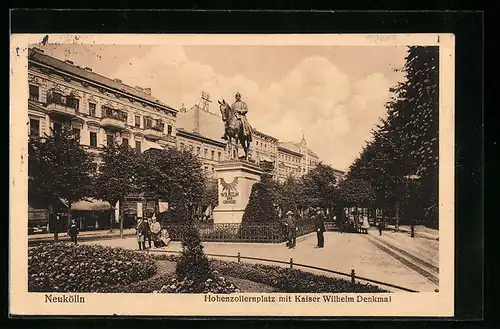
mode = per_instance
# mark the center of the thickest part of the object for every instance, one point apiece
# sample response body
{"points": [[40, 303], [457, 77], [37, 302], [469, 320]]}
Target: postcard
{"points": [[232, 175]]}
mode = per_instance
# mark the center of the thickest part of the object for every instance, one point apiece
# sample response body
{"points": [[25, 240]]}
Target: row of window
{"points": [[205, 151], [290, 158], [264, 145], [73, 102]]}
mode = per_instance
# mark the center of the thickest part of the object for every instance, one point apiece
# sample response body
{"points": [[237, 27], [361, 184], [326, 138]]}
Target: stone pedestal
{"points": [[235, 181]]}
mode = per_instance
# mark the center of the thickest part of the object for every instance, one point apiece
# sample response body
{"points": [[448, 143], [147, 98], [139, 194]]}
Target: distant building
{"points": [[265, 149], [200, 132]]}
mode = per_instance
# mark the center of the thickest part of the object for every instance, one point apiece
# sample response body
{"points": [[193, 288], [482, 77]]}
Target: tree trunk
{"points": [[112, 217], [397, 217], [69, 215], [53, 215], [382, 213], [121, 217]]}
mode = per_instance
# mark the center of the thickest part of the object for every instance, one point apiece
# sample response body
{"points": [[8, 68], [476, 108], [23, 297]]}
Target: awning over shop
{"points": [[91, 205]]}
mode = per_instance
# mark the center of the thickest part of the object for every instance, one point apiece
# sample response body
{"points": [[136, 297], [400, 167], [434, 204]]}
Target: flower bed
{"points": [[85, 268], [290, 280], [283, 279]]}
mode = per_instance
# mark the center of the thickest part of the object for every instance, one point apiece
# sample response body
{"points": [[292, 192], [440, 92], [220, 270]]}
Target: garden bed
{"points": [[92, 268]]}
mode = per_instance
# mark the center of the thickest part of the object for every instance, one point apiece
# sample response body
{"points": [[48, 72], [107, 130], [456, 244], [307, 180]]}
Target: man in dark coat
{"points": [[147, 232], [291, 224], [73, 231], [319, 221]]}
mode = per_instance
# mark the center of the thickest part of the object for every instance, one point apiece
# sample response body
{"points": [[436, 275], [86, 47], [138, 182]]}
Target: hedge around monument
{"points": [[260, 208]]}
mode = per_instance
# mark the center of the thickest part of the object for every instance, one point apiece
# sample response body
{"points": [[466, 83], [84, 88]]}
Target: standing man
{"points": [[319, 221], [291, 224], [241, 110], [412, 229], [73, 231], [380, 225]]}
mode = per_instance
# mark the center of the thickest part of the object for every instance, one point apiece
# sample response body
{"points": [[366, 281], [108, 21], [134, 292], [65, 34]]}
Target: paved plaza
{"points": [[393, 257]]}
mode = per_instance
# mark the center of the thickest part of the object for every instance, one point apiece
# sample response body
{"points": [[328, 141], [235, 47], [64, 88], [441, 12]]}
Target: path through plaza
{"points": [[393, 257]]}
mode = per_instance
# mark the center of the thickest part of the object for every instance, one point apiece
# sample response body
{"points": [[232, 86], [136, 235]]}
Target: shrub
{"points": [[84, 268], [290, 280], [193, 264], [260, 208]]}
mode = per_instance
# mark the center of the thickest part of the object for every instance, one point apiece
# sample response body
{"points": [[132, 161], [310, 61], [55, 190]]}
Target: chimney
{"points": [[147, 91], [68, 62], [117, 80], [139, 88], [196, 123], [88, 69], [38, 50]]}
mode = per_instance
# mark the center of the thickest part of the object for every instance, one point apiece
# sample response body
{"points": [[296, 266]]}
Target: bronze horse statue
{"points": [[234, 127]]}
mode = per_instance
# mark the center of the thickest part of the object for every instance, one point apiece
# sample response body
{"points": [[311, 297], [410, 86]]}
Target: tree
{"points": [[319, 186], [175, 176], [193, 265], [210, 194], [292, 197], [356, 193], [58, 169], [117, 177], [406, 143]]}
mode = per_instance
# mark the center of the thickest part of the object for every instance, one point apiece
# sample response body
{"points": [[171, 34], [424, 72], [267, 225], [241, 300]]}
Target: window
{"points": [[111, 140], [34, 93], [219, 156], [92, 111], [206, 153], [213, 155], [138, 121], [234, 154], [34, 128], [74, 103], [182, 146], [138, 146], [57, 126], [191, 148], [125, 141], [77, 133], [93, 139], [256, 143], [198, 150], [169, 130]]}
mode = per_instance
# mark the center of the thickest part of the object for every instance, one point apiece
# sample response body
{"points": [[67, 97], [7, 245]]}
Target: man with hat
{"points": [[319, 221], [241, 110], [291, 224]]}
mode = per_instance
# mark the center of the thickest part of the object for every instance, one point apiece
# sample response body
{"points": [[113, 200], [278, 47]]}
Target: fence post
{"points": [[353, 276], [291, 262], [239, 257]]}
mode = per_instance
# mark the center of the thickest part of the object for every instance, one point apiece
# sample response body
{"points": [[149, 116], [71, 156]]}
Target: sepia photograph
{"points": [[273, 175]]}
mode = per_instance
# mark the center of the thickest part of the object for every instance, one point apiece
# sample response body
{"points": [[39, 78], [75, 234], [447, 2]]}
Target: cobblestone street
{"points": [[393, 257]]}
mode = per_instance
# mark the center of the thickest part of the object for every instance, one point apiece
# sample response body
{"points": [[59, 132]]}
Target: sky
{"points": [[334, 95]]}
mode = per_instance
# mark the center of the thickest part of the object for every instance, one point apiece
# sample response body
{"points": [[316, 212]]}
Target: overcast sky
{"points": [[334, 95]]}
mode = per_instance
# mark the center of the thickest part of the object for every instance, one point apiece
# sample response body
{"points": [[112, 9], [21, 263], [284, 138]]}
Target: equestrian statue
{"points": [[236, 124]]}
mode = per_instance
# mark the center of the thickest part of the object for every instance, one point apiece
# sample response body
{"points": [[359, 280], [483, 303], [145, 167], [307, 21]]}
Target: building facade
{"points": [[99, 109], [265, 149], [289, 162]]}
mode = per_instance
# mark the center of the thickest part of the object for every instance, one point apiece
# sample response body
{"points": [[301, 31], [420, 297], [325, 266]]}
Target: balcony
{"points": [[111, 122], [113, 118], [61, 109], [154, 133]]}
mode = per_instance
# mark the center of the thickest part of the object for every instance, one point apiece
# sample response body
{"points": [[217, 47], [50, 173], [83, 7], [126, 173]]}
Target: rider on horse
{"points": [[241, 109]]}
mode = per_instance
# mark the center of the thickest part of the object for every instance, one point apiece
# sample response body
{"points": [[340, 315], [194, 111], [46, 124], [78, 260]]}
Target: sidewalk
{"points": [[82, 236], [420, 231]]}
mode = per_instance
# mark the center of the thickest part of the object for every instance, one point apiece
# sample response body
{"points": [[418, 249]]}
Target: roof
{"points": [[257, 132], [289, 146], [37, 56], [210, 124]]}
